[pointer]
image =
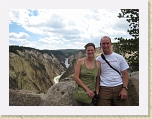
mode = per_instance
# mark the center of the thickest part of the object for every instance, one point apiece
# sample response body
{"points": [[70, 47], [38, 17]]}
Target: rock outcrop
{"points": [[61, 94], [75, 57], [29, 69], [31, 74], [133, 89], [69, 71], [72, 61], [23, 98]]}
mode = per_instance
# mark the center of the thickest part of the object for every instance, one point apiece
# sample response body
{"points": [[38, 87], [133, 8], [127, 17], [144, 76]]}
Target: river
{"points": [[56, 79]]}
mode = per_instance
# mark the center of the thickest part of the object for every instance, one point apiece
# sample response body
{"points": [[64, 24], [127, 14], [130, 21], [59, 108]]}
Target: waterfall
{"points": [[66, 62], [56, 79]]}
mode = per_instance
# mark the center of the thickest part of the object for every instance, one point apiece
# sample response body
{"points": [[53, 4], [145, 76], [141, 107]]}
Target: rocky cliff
{"points": [[72, 61], [61, 94], [31, 74], [33, 70]]}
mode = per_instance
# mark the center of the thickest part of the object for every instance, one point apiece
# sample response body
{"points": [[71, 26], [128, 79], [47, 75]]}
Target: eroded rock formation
{"points": [[61, 94], [32, 70], [31, 77]]}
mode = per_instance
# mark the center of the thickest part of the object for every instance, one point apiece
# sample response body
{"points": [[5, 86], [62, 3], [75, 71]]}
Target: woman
{"points": [[87, 74]]}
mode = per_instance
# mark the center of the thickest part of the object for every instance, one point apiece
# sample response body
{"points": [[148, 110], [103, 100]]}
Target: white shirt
{"points": [[109, 77]]}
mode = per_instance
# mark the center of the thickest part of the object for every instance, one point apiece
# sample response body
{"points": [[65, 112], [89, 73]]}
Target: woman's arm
{"points": [[98, 76]]}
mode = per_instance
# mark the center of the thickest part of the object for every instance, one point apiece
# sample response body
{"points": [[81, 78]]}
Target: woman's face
{"points": [[90, 51]]}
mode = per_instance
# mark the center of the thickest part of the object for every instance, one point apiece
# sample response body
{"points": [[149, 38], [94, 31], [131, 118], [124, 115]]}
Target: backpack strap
{"points": [[103, 57]]}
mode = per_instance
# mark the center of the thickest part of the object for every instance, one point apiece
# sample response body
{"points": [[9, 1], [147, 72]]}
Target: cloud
{"points": [[21, 38], [21, 35], [67, 26], [50, 40]]}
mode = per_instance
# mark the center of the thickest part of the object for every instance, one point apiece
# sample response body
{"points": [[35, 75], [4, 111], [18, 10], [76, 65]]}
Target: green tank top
{"points": [[88, 76]]}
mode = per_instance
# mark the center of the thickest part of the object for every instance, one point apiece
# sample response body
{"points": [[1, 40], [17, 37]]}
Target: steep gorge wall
{"points": [[72, 61], [32, 70]]}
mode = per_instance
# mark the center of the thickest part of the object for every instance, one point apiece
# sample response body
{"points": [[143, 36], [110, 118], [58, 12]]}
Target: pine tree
{"points": [[129, 48]]}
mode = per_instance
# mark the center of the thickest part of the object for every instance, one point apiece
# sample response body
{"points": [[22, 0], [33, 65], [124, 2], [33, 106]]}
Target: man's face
{"points": [[106, 45]]}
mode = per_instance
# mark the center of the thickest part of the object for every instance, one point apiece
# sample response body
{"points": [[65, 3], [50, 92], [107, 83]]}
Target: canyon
{"points": [[45, 77]]}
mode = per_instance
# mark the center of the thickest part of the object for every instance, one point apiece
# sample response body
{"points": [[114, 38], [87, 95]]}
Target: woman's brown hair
{"points": [[89, 44]]}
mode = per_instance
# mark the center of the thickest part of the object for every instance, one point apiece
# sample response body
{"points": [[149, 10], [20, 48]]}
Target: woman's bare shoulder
{"points": [[81, 60], [98, 62]]}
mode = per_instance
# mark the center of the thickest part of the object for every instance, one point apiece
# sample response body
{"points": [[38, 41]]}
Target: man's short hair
{"points": [[105, 37]]}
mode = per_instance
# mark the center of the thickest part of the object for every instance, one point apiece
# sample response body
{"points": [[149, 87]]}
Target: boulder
{"points": [[133, 89], [23, 98], [60, 94]]}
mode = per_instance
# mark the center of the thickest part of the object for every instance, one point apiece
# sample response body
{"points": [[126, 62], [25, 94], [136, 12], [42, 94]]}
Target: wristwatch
{"points": [[125, 88]]}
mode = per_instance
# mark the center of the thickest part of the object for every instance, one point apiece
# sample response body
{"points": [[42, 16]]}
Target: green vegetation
{"points": [[130, 47], [57, 53], [69, 52], [20, 48]]}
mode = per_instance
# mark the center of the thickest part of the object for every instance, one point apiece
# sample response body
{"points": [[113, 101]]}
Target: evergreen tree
{"points": [[129, 48]]}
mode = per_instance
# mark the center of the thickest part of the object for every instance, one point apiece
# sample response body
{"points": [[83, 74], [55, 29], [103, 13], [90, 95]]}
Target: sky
{"points": [[44, 29], [54, 29]]}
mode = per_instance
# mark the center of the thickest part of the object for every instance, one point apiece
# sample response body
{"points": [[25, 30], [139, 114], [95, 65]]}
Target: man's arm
{"points": [[124, 92]]}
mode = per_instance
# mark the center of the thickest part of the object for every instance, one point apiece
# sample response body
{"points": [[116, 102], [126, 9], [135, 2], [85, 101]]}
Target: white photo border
{"points": [[142, 109]]}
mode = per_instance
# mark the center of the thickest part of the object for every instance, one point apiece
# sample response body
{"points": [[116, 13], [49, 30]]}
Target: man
{"points": [[113, 86]]}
